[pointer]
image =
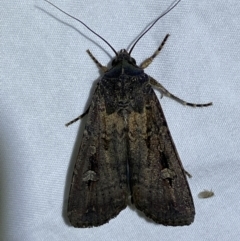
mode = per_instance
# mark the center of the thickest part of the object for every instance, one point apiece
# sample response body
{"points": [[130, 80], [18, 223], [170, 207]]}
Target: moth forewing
{"points": [[99, 185]]}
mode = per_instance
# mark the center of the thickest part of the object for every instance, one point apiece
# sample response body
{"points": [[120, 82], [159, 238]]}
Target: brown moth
{"points": [[127, 149]]}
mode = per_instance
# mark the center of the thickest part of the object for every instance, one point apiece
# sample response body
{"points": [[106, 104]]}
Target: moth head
{"points": [[122, 56]]}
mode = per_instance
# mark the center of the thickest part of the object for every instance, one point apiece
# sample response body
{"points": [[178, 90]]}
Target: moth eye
{"points": [[132, 61], [114, 62]]}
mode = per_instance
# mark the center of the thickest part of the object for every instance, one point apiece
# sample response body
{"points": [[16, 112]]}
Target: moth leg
{"points": [[164, 91], [187, 174], [149, 60], [78, 118], [99, 65]]}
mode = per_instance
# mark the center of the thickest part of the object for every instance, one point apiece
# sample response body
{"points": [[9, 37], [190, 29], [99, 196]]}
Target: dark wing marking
{"points": [[157, 179], [99, 188]]}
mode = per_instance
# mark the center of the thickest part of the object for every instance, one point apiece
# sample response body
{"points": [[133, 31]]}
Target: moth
{"points": [[127, 150]]}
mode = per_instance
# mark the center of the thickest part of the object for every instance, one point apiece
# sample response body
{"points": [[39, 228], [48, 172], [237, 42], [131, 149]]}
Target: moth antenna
{"points": [[84, 25], [167, 11]]}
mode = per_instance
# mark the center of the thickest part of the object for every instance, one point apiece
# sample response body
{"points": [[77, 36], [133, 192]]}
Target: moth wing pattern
{"points": [[157, 178], [99, 184]]}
